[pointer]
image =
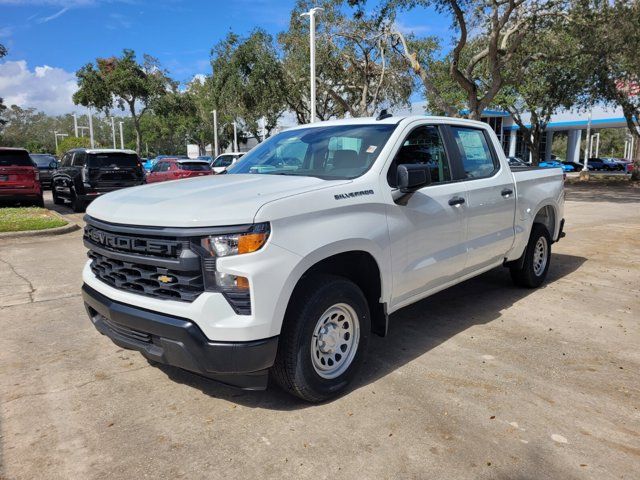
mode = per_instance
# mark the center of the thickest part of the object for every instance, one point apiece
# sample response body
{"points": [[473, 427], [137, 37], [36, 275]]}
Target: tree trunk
{"points": [[635, 157]]}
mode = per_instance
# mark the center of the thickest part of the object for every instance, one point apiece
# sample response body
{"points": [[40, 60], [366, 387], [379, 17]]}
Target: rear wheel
{"points": [[39, 201], [77, 205], [537, 258], [56, 199], [324, 338]]}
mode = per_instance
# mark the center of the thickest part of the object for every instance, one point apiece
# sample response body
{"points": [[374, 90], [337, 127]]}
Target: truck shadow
{"points": [[414, 331]]}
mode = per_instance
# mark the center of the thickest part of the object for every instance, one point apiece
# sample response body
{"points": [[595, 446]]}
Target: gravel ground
{"points": [[484, 380]]}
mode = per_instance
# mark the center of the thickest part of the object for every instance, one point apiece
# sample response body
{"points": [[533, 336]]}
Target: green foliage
{"points": [[356, 71], [67, 143], [122, 82], [247, 83]]}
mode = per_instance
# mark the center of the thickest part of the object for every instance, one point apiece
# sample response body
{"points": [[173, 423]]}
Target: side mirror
{"points": [[412, 177], [53, 165]]}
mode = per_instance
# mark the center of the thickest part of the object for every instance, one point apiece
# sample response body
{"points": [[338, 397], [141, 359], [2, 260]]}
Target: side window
{"points": [[423, 145], [66, 160], [79, 159], [477, 159], [157, 167]]}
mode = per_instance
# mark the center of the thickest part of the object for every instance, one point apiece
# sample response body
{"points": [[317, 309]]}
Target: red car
{"points": [[175, 168], [19, 177]]}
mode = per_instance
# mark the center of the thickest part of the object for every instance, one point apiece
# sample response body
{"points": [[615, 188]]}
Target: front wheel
{"points": [[77, 205], [324, 338], [537, 258]]}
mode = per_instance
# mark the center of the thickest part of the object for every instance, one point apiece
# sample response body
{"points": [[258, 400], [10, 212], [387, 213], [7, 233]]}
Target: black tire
{"points": [[77, 205], [294, 369], [56, 199], [529, 275], [39, 202]]}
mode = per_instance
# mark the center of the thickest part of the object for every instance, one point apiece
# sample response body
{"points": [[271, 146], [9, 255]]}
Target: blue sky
{"points": [[49, 39]]}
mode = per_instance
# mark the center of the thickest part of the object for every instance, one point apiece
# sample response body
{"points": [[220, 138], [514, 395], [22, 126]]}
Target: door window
{"points": [[66, 160], [422, 146], [477, 159], [79, 159]]}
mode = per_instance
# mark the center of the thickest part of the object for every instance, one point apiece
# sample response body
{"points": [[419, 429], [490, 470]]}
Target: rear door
{"points": [[114, 169], [17, 170], [491, 199], [428, 230]]}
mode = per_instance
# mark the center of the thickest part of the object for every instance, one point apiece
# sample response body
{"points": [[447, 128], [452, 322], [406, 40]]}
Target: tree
{"points": [[550, 75], [493, 29], [67, 143], [247, 82], [3, 52], [123, 82], [609, 36], [356, 72]]}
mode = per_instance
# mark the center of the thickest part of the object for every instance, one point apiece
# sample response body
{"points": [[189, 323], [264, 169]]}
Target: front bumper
{"points": [[179, 342]]}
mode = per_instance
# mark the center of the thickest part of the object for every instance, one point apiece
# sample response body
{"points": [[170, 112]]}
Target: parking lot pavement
{"points": [[64, 210], [484, 380]]}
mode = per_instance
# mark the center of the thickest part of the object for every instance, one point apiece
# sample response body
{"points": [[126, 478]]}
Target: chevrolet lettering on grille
{"points": [[131, 244]]}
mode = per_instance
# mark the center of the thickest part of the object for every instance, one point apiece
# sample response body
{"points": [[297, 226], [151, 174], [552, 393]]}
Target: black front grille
{"points": [[147, 279], [164, 247], [127, 332]]}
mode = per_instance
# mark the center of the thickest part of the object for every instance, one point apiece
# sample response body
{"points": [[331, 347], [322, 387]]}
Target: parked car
{"points": [[206, 158], [555, 164], [176, 168], [577, 166], [613, 164], [85, 174], [291, 271], [224, 161], [596, 164], [19, 177], [46, 164]]}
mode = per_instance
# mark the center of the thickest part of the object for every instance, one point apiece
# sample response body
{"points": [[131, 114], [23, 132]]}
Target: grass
{"points": [[28, 218]]}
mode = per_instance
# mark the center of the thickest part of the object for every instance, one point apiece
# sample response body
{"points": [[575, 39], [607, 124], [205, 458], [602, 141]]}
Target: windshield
{"points": [[337, 152], [115, 159], [42, 160], [15, 158], [223, 161], [194, 166]]}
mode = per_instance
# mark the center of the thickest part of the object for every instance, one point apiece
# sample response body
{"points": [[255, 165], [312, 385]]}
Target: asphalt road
{"points": [[484, 380]]}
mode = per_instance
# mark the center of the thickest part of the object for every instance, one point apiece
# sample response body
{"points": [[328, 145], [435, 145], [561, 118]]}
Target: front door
{"points": [[428, 232]]}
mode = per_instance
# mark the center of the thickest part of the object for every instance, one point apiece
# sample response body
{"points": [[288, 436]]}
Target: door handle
{"points": [[506, 192], [455, 201]]}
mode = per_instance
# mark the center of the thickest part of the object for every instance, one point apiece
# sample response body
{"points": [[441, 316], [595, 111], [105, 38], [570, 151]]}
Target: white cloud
{"points": [[45, 88], [54, 16], [415, 29]]}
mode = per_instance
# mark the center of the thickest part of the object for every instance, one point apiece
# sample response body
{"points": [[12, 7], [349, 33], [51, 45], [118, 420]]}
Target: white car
{"points": [[289, 264], [223, 161]]}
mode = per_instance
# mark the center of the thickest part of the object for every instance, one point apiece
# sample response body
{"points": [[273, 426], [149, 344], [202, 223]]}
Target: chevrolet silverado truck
{"points": [[287, 264]]}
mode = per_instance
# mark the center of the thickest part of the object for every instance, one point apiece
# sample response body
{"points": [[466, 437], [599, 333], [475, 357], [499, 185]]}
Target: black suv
{"points": [[83, 174]]}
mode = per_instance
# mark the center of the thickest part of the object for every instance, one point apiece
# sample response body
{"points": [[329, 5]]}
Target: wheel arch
{"points": [[360, 265]]}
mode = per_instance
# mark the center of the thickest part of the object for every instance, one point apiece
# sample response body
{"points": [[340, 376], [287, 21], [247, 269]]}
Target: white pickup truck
{"points": [[290, 261]]}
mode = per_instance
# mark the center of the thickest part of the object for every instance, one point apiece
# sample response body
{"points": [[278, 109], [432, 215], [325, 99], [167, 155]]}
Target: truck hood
{"points": [[217, 200]]}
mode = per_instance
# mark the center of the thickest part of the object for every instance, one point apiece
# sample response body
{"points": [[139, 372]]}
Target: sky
{"points": [[48, 40]]}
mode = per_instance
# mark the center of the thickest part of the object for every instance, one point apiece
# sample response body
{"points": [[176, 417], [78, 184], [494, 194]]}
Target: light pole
{"points": [[597, 136], [235, 137], [75, 124], [82, 129], [588, 146], [91, 129], [113, 132], [56, 135], [215, 133], [121, 136], [312, 49]]}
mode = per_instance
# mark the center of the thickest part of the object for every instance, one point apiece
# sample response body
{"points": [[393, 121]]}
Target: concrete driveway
{"points": [[484, 380]]}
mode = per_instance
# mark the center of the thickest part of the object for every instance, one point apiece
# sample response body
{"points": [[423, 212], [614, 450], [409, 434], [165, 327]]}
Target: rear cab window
{"points": [[112, 159], [15, 158], [194, 166]]}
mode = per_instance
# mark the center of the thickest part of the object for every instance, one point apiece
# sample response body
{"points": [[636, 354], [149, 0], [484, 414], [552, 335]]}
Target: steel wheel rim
{"points": [[335, 340], [540, 256]]}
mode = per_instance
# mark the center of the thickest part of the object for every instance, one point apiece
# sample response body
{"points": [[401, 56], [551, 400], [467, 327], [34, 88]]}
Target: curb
{"points": [[70, 227]]}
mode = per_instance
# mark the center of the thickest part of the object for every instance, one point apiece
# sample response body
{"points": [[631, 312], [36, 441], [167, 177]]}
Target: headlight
{"points": [[237, 243], [213, 247]]}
